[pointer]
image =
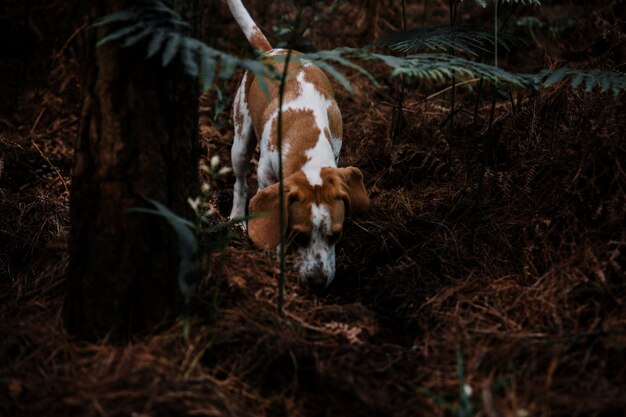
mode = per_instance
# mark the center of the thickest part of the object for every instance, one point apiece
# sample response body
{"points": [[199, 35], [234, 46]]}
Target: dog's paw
{"points": [[242, 224]]}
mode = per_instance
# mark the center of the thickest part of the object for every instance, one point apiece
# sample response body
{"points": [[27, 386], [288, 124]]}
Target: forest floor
{"points": [[486, 279]]}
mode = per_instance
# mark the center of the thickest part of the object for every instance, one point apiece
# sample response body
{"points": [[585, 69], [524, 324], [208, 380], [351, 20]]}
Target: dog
{"points": [[318, 194]]}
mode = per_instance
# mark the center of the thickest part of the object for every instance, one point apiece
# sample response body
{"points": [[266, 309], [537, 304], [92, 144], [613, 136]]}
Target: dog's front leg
{"points": [[241, 151]]}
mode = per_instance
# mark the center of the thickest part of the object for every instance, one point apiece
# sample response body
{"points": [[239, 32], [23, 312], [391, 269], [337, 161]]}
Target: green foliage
{"points": [[438, 67], [153, 22], [442, 67], [470, 39], [529, 2], [158, 26], [189, 270], [139, 21], [342, 56], [590, 80], [191, 250]]}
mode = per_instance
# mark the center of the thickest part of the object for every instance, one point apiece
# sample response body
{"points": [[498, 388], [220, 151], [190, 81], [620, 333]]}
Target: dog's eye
{"points": [[334, 237]]}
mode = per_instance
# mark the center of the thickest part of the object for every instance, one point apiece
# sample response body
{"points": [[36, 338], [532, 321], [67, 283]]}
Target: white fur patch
{"points": [[313, 175], [323, 153], [243, 18], [319, 255], [336, 144], [240, 156]]}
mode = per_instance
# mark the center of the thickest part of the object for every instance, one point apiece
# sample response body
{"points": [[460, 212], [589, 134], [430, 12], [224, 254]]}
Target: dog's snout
{"points": [[316, 280]]}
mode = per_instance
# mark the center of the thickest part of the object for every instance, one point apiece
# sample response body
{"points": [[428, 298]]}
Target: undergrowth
{"points": [[487, 278]]}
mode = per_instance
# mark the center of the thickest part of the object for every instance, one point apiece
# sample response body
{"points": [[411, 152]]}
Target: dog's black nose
{"points": [[317, 282]]}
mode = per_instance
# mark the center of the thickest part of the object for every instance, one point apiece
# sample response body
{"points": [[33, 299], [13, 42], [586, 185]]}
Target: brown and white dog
{"points": [[318, 195]]}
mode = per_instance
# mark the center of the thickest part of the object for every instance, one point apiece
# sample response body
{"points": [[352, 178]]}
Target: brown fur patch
{"points": [[335, 122], [300, 132], [259, 41]]}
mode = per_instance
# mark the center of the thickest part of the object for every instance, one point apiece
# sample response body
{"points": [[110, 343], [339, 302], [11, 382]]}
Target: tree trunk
{"points": [[137, 138]]}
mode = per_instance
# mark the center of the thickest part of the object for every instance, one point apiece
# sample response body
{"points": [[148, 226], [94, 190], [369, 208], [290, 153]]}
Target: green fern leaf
{"points": [[160, 8], [590, 82], [530, 2], [555, 77], [156, 42], [120, 33], [177, 22], [337, 55], [207, 68], [469, 39], [605, 82], [577, 80], [171, 49], [187, 243], [330, 70], [154, 20], [188, 51], [133, 39], [121, 16]]}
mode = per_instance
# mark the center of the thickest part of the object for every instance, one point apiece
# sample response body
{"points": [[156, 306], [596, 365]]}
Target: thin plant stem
{"points": [[472, 138], [495, 63], [404, 15], [397, 119], [426, 3], [281, 194], [453, 93], [495, 34], [281, 188]]}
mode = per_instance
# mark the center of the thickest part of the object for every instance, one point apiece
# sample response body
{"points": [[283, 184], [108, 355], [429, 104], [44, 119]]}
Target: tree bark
{"points": [[138, 137]]}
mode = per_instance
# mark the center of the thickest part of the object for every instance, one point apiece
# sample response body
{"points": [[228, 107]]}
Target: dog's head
{"points": [[314, 218]]}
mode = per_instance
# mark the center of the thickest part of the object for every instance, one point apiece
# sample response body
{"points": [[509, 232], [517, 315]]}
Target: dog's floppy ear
{"points": [[352, 185], [264, 230]]}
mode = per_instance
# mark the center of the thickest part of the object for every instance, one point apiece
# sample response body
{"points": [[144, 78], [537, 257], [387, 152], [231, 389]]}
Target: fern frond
{"points": [[469, 39], [343, 56], [171, 49], [441, 67], [148, 12], [529, 2], [153, 22], [158, 28], [438, 67], [592, 79], [156, 42]]}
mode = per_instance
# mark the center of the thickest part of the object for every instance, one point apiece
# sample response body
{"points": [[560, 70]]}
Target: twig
{"points": [[72, 36], [32, 129], [448, 88], [51, 164]]}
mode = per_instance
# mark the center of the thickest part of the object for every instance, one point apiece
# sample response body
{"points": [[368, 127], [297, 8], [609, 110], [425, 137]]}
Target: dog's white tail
{"points": [[254, 35]]}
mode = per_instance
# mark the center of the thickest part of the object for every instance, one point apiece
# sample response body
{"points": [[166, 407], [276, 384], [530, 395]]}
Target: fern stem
{"points": [[426, 3], [495, 34], [472, 138], [404, 15], [281, 194], [399, 108], [495, 64], [281, 187], [453, 80]]}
